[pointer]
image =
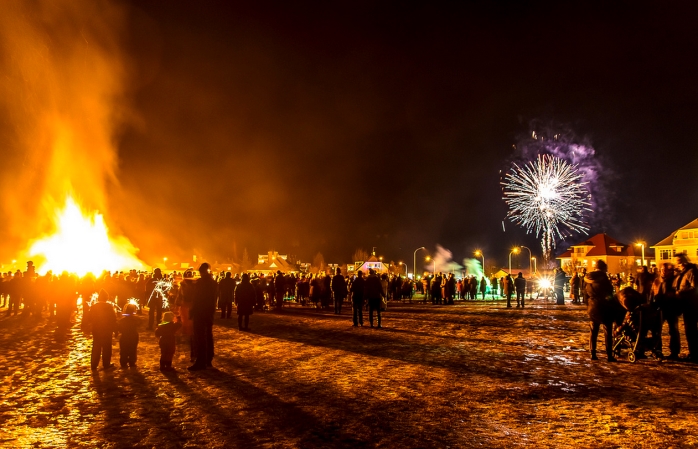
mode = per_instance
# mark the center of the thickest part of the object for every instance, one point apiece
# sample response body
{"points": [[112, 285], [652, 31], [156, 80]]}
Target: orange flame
{"points": [[81, 245]]}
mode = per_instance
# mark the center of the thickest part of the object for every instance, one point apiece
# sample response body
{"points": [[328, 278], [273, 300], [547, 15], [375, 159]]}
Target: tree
{"points": [[360, 255], [319, 262], [246, 264]]}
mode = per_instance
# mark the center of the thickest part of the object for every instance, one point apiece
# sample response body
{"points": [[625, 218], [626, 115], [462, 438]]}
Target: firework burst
{"points": [[547, 196]]}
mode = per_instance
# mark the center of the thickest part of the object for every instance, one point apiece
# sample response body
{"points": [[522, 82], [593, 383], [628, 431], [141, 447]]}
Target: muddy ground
{"points": [[471, 375]]}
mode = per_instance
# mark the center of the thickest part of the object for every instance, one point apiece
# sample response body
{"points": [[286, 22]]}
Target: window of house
{"points": [[684, 235], [666, 254]]}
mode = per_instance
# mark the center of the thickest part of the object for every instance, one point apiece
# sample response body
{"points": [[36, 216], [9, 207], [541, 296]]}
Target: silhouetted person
{"points": [[508, 288], [339, 288], [373, 292], [202, 311], [245, 297], [128, 338], [167, 341], [154, 298], [483, 287], [494, 287], [357, 299], [226, 288], [280, 286], [520, 285], [664, 296], [685, 284], [603, 308], [575, 284], [643, 283], [558, 286], [103, 322]]}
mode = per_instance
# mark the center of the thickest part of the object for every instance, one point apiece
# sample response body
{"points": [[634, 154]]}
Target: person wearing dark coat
{"points": [[664, 296], [357, 299], [103, 321], [202, 311], [245, 297], [154, 299], [686, 287], [450, 288], [575, 284], [226, 287], [495, 286], [280, 285], [483, 287], [339, 288], [559, 285], [436, 289], [507, 288], [373, 292], [603, 308], [166, 333], [128, 336], [520, 285]]}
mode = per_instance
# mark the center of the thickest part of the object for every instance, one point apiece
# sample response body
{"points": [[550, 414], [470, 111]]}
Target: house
{"points": [[372, 262], [272, 262], [683, 240], [620, 257]]}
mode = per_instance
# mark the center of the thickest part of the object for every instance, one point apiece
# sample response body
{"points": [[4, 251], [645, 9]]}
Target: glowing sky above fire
{"points": [[197, 125]]}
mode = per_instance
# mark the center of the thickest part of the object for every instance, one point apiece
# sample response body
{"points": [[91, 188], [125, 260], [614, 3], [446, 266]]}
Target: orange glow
{"points": [[81, 244]]}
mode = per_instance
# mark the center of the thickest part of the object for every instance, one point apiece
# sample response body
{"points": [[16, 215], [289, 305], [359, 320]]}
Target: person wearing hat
{"points": [[128, 339], [167, 341], [103, 320], [202, 311]]}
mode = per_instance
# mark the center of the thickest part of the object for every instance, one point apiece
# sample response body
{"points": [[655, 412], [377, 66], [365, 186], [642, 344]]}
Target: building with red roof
{"points": [[620, 257]]}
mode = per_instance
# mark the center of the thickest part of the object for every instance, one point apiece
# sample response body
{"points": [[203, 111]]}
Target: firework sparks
{"points": [[547, 196], [162, 287]]}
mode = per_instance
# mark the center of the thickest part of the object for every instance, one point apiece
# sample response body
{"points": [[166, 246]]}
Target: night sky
{"points": [[328, 127]]}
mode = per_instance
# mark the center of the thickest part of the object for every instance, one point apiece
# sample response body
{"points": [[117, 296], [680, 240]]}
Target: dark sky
{"points": [[333, 126]]}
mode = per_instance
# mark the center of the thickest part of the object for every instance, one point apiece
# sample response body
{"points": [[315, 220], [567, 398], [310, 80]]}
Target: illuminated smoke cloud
{"points": [[444, 261]]}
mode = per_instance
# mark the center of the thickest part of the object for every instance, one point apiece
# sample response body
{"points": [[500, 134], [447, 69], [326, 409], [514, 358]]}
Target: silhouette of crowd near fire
{"points": [[632, 311]]}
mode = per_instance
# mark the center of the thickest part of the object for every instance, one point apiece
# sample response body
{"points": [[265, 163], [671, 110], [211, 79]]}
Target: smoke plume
{"points": [[61, 100]]}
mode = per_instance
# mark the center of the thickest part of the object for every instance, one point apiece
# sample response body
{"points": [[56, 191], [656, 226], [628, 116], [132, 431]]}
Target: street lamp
{"points": [[642, 244], [414, 273], [514, 251], [529, 259], [431, 258], [406, 273], [479, 253]]}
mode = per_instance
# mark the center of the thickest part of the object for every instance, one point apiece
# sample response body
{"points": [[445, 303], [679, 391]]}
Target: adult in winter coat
{"points": [[520, 285], [103, 321], [603, 308], [575, 284], [245, 297], [357, 299], [664, 296], [508, 288], [686, 284], [483, 287], [202, 311], [339, 288], [226, 287], [373, 292]]}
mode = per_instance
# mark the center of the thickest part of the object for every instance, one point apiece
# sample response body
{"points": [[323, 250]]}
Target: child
{"points": [[128, 342], [166, 333]]}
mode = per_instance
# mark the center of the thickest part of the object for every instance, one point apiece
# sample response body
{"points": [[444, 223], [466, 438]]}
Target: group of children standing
{"points": [[103, 320]]}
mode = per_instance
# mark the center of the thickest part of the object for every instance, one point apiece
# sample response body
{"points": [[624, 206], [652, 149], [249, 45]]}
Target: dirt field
{"points": [[470, 375]]}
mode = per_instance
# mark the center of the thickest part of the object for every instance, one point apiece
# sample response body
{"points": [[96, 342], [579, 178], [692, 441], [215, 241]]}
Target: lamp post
{"points": [[642, 244], [535, 267], [513, 251], [432, 259], [414, 273], [479, 253], [529, 259]]}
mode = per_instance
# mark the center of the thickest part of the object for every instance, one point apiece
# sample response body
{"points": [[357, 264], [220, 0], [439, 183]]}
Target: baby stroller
{"points": [[639, 319]]}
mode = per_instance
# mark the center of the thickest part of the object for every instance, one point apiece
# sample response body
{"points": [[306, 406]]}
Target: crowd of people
{"points": [[186, 303], [664, 296]]}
